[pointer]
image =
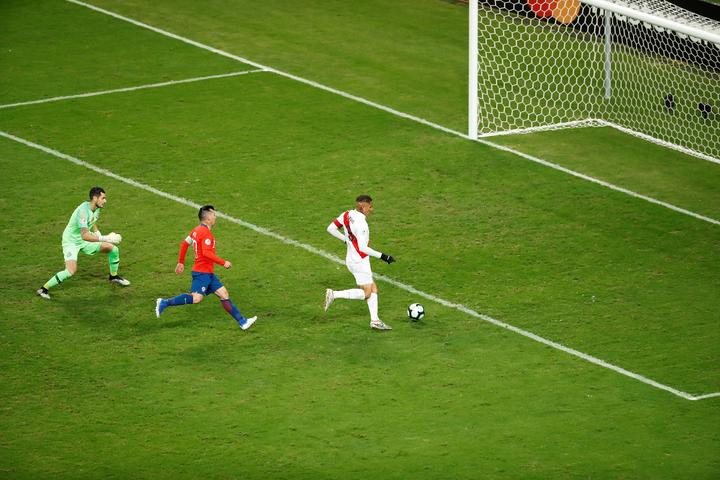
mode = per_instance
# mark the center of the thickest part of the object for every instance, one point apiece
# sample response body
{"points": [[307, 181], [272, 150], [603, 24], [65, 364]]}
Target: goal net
{"points": [[646, 67]]}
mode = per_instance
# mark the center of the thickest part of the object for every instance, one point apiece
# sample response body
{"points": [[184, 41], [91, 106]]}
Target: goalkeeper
{"points": [[82, 235]]}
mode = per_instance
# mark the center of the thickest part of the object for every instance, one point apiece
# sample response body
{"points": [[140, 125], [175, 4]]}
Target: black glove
{"points": [[387, 258]]}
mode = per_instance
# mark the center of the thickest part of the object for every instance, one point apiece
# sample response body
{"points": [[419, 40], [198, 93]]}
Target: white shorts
{"points": [[361, 271]]}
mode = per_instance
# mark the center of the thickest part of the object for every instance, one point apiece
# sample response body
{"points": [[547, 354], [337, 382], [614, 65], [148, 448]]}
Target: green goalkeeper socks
{"points": [[114, 260], [57, 279]]}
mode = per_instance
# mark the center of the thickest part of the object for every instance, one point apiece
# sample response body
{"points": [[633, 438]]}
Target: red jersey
{"points": [[203, 242]]}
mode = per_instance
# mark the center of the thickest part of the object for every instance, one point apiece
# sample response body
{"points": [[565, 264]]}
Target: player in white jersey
{"points": [[356, 236]]}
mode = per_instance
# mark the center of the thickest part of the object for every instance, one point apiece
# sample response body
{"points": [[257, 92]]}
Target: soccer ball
{"points": [[416, 312]]}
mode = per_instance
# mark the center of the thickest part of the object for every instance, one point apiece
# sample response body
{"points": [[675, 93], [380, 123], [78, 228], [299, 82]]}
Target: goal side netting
{"points": [[646, 67]]}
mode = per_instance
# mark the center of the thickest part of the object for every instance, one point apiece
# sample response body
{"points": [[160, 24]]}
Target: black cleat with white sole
{"points": [[119, 280], [42, 292]]}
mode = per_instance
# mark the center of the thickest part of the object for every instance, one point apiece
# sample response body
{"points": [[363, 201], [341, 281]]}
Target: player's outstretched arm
{"points": [[334, 230], [210, 254], [363, 247]]}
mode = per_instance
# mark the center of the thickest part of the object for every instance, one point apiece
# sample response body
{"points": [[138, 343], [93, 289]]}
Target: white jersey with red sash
{"points": [[357, 236]]}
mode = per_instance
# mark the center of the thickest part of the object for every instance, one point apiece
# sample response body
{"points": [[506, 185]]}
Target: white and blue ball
{"points": [[416, 312]]}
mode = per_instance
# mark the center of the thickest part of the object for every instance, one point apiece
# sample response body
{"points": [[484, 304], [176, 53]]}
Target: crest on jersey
{"points": [[207, 241]]}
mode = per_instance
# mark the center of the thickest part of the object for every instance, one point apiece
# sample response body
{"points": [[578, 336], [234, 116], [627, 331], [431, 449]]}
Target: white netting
{"points": [[557, 63], [670, 11]]}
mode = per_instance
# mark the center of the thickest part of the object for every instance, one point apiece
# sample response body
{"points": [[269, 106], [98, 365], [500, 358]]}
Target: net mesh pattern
{"points": [[552, 64]]}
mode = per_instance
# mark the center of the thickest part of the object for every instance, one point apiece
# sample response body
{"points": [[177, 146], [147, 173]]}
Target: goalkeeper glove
{"points": [[112, 237], [387, 258]]}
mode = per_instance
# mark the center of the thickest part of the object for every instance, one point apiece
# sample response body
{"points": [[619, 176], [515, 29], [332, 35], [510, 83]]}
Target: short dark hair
{"points": [[204, 210], [363, 199], [95, 192]]}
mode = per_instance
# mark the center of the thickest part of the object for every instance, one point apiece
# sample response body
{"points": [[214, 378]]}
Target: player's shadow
{"points": [[149, 327], [117, 317]]}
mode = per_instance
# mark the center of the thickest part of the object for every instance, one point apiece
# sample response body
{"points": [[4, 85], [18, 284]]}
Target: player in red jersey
{"points": [[204, 280]]}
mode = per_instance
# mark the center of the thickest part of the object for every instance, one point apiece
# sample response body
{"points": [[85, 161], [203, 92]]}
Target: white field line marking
{"points": [[657, 141], [709, 395], [396, 112], [334, 258], [130, 89], [588, 122], [596, 122], [267, 68], [602, 182]]}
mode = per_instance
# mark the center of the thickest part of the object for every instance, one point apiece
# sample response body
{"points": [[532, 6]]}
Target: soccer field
{"points": [[572, 329]]}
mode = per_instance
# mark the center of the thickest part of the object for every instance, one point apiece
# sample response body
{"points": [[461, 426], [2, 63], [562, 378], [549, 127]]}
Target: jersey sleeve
{"points": [[365, 248], [334, 228], [207, 246], [82, 219], [338, 222], [184, 245]]}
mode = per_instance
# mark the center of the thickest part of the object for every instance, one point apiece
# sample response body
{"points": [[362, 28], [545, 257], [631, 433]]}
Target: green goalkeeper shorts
{"points": [[70, 252]]}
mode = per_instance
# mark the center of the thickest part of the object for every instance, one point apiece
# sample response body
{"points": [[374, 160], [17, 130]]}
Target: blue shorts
{"points": [[204, 283]]}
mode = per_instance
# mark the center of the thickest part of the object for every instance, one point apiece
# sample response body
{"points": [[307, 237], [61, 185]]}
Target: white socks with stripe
{"points": [[358, 294], [352, 294], [373, 306]]}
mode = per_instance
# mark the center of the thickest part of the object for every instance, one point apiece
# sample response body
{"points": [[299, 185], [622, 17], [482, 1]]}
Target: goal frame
{"points": [[608, 8]]}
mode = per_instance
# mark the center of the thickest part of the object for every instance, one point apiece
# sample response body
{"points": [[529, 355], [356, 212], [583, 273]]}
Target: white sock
{"points": [[352, 294], [373, 306]]}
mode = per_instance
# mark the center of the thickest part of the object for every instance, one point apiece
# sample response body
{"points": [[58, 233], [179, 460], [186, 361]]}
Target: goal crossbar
{"points": [[656, 20]]}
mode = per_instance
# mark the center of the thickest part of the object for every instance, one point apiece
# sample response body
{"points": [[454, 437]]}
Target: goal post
{"points": [[473, 71], [646, 67]]}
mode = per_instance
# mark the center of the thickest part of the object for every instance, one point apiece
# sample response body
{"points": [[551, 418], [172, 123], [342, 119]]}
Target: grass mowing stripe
{"points": [[603, 183], [131, 89], [594, 122], [399, 113], [658, 141], [408, 288]]}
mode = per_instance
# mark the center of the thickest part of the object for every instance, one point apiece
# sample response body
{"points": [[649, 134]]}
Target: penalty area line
{"points": [[386, 279], [131, 89], [393, 111]]}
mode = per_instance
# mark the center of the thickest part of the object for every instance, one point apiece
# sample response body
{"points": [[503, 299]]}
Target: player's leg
{"points": [[61, 276], [350, 294], [113, 252], [230, 307], [200, 283], [70, 253], [371, 296], [364, 279]]}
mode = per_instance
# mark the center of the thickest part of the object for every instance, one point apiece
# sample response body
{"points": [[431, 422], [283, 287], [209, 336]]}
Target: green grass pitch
{"points": [[94, 386]]}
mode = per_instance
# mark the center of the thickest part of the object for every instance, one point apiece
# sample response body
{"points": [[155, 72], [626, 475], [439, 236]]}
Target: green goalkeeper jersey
{"points": [[81, 218]]}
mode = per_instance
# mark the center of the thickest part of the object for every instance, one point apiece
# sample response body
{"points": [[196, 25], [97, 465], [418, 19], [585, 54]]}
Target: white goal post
{"points": [[646, 67]]}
